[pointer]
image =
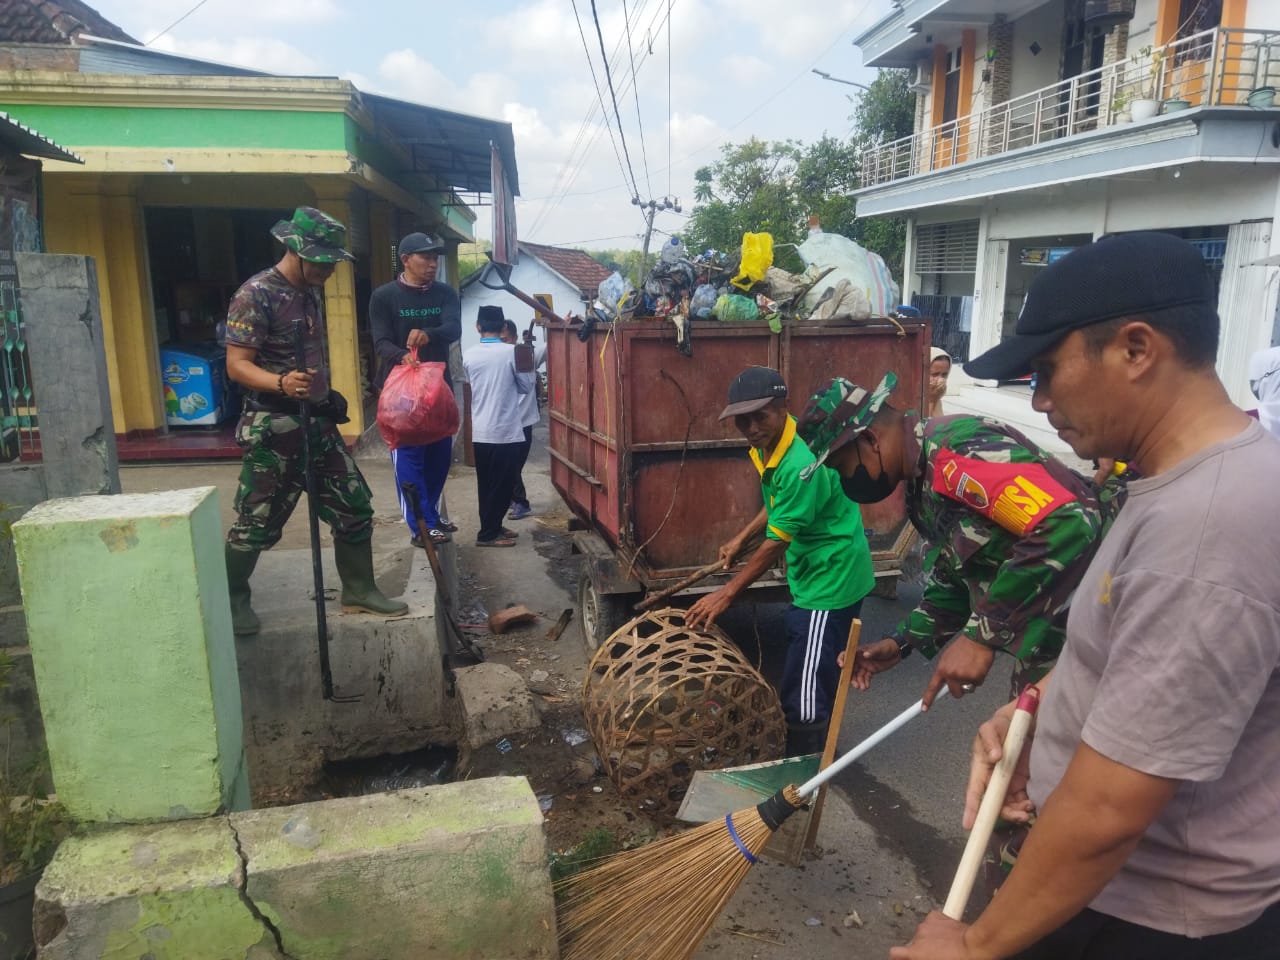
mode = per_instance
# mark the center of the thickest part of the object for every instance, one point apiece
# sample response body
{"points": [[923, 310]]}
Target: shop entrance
{"points": [[198, 257]]}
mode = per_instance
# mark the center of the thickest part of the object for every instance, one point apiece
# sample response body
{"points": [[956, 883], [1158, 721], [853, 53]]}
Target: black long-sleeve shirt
{"points": [[396, 308]]}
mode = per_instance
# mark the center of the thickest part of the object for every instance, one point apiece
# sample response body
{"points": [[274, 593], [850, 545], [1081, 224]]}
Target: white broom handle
{"points": [[992, 801], [811, 785]]}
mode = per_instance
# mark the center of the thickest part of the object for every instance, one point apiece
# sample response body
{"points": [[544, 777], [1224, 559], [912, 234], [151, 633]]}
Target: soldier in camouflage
{"points": [[1011, 530], [261, 357]]}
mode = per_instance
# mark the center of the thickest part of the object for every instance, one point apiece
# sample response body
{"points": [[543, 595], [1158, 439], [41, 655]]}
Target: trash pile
{"points": [[841, 281]]}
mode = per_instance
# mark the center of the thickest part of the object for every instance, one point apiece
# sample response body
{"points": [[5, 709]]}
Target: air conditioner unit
{"points": [[922, 80]]}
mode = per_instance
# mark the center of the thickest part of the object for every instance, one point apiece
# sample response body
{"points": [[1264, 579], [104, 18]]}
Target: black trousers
{"points": [[517, 493], [1090, 935], [497, 469]]}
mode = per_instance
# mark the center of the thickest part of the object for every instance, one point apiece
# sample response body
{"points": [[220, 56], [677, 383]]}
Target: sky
{"points": [[736, 69]]}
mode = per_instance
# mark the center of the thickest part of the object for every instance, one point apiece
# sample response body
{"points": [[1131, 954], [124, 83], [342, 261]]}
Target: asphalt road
{"points": [[909, 789]]}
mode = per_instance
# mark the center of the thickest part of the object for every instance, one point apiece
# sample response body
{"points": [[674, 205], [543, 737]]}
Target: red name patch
{"points": [[1017, 496]]}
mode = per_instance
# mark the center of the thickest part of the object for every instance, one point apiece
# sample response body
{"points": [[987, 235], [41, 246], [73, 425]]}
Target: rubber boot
{"points": [[240, 564], [804, 739], [359, 593]]}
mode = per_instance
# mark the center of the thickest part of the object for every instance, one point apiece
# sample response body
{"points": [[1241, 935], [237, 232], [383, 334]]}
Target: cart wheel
{"points": [[602, 613]]}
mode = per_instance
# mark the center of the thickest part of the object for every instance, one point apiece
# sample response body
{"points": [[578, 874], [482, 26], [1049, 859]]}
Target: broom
{"points": [[657, 902]]}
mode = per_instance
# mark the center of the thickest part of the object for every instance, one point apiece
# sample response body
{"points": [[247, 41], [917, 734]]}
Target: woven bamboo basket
{"points": [[661, 701]]}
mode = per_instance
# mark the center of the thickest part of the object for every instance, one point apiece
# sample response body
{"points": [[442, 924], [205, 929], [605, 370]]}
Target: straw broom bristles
{"points": [[658, 901]]}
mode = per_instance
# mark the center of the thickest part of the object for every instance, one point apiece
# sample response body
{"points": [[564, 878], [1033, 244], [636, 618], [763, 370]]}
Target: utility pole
{"points": [[650, 210]]}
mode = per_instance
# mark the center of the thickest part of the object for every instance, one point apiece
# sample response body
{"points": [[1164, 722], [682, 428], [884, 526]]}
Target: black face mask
{"points": [[862, 487]]}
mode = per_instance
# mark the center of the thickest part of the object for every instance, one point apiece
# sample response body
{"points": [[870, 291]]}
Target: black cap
{"points": [[752, 389], [420, 243], [1122, 276]]}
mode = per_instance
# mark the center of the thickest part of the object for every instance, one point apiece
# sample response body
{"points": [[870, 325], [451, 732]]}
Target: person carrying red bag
{"points": [[413, 318]]}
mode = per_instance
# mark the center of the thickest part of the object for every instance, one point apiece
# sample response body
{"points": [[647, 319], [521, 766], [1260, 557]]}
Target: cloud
{"points": [[807, 27], [146, 18], [256, 53]]}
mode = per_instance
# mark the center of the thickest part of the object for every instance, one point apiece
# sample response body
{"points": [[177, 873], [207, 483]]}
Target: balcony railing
{"points": [[1219, 67]]}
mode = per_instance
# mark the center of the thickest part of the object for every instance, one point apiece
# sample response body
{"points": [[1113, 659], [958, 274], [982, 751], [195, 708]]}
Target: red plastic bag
{"points": [[416, 406]]}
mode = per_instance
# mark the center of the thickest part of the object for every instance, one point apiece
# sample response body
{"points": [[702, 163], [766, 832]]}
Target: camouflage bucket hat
{"points": [[313, 235], [836, 415]]}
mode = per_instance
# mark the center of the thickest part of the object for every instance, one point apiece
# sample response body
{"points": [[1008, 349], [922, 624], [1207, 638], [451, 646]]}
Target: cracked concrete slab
{"points": [[171, 891]]}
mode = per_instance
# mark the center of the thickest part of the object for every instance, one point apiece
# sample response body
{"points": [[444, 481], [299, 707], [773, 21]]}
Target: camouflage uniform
{"points": [[996, 587], [261, 317]]}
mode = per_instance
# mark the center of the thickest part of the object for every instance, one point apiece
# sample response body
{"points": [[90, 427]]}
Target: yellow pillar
{"points": [[340, 316], [95, 217]]}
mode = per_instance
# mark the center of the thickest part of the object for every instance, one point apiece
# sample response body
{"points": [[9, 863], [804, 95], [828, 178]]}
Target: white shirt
{"points": [[496, 391], [529, 414]]}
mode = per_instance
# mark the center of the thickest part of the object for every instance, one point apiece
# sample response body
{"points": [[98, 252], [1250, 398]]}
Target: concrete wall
{"points": [[130, 630], [1032, 71]]}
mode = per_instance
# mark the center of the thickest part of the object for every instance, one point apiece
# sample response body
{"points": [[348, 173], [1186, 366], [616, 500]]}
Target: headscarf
{"points": [[935, 408], [1264, 381]]}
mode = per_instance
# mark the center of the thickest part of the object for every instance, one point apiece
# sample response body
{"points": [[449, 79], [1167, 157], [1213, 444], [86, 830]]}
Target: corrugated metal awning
{"points": [[452, 146], [26, 141]]}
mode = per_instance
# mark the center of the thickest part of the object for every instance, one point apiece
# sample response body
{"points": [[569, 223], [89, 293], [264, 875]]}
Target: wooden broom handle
{"points": [[992, 801], [716, 566]]}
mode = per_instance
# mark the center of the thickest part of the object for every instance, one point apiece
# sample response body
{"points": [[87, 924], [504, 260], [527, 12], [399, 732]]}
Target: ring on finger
{"points": [[967, 687]]}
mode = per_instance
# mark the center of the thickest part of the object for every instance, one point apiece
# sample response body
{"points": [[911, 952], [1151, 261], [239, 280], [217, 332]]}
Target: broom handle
{"points": [[992, 801], [811, 785]]}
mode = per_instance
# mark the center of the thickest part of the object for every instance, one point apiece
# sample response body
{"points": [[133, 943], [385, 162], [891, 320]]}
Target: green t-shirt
{"points": [[828, 559]]}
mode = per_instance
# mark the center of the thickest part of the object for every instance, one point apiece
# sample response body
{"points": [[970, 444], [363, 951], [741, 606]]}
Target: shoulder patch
{"points": [[1017, 496]]}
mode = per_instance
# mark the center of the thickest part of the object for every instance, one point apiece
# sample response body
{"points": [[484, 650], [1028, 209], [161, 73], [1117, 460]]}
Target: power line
{"points": [[635, 91], [669, 130], [571, 167], [608, 75], [175, 23], [599, 93], [577, 166]]}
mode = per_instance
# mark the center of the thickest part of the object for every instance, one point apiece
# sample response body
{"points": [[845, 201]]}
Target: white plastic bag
{"points": [[865, 272]]}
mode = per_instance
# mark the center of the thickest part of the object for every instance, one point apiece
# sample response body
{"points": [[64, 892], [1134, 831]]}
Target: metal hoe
{"points": [[313, 520]]}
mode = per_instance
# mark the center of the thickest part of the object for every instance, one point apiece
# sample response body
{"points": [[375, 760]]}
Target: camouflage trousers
{"points": [[272, 479]]}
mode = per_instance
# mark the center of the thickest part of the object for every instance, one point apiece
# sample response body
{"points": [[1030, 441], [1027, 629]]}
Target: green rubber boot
{"points": [[359, 593], [240, 564]]}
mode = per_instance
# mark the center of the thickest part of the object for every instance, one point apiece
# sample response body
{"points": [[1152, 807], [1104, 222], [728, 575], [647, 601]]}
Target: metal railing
{"points": [[19, 426], [1218, 67]]}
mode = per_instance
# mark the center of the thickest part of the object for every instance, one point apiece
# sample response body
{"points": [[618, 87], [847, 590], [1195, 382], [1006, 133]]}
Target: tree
{"points": [[626, 262], [751, 188], [884, 113], [471, 257]]}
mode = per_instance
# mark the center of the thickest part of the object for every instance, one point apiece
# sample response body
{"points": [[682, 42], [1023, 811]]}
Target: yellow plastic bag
{"points": [[757, 257]]}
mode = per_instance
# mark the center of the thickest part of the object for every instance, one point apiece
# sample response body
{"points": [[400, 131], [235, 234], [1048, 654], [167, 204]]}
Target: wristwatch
{"points": [[904, 647]]}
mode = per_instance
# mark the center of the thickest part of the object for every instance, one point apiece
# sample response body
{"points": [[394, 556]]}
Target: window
{"points": [[947, 248], [951, 87]]}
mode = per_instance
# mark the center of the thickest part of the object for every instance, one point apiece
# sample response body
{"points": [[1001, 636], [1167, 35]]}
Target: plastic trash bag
{"points": [[865, 272], [614, 292], [703, 302], [757, 258], [732, 306], [416, 406]]}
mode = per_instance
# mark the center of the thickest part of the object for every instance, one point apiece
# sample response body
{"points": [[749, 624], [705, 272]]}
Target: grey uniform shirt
{"points": [[1170, 668]]}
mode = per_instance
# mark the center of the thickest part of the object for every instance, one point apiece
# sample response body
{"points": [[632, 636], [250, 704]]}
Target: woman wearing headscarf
{"points": [[1264, 381], [939, 370]]}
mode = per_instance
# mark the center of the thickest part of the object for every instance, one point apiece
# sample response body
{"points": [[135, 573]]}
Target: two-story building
{"points": [[1041, 126]]}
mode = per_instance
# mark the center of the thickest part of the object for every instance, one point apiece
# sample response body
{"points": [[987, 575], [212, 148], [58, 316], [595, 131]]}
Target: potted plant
{"points": [[32, 824], [1120, 108], [1175, 102], [1145, 105], [1261, 97]]}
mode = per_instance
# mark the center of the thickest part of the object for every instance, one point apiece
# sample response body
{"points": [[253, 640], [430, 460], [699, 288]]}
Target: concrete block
{"points": [[455, 871], [509, 617], [492, 702], [394, 666], [170, 891], [63, 323], [130, 632]]}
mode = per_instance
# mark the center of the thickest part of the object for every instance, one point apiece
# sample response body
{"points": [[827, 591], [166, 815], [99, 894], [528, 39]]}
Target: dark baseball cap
{"points": [[420, 243], [1125, 275], [753, 389]]}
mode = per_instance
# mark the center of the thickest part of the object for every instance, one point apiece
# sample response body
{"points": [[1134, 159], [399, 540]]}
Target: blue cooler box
{"points": [[195, 384]]}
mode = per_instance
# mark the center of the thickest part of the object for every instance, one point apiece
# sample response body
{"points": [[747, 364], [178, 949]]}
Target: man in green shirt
{"points": [[819, 530]]}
